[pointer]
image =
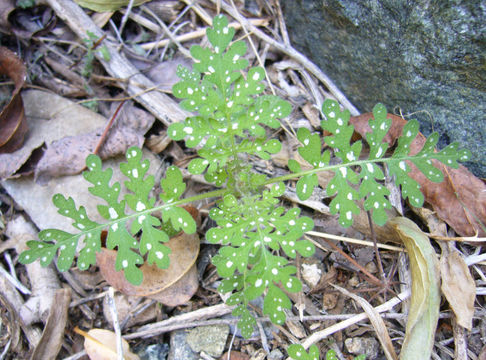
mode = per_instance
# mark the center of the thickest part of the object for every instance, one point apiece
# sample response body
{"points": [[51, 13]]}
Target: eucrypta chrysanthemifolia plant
{"points": [[257, 235]]}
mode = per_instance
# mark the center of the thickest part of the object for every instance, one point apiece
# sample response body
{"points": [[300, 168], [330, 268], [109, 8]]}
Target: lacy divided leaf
{"points": [[123, 227], [252, 229], [231, 111], [358, 176]]}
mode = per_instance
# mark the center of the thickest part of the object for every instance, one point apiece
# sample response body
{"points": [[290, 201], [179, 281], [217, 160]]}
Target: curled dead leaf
{"points": [[13, 125], [425, 301], [172, 286], [100, 344], [460, 200], [67, 133]]}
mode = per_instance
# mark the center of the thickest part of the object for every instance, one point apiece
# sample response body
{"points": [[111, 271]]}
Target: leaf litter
{"points": [[52, 141], [13, 126], [66, 133]]}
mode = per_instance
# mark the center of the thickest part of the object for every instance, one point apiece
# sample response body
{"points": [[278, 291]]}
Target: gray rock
{"points": [[179, 348], [154, 352], [275, 355], [210, 339], [363, 345], [417, 55]]}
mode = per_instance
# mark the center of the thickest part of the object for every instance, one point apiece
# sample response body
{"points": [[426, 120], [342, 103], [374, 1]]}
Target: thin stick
{"points": [[125, 16], [87, 299], [375, 246], [116, 325], [319, 335], [158, 327], [196, 34], [203, 14], [231, 344], [160, 105], [281, 23], [186, 325], [365, 272], [458, 238], [171, 36], [354, 241], [107, 129], [16, 283], [263, 337]]}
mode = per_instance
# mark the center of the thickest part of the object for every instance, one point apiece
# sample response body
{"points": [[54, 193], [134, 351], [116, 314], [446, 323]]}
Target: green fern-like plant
{"points": [[298, 352], [259, 237]]}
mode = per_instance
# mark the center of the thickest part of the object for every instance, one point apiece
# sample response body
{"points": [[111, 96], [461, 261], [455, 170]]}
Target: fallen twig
{"points": [[160, 105], [319, 335]]}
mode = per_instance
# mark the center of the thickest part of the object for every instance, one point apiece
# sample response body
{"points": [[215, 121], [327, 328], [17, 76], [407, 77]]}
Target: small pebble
{"points": [[363, 345], [275, 355], [210, 339]]}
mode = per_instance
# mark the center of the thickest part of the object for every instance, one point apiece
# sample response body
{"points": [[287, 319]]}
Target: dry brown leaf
{"points": [[125, 307], [70, 132], [163, 74], [67, 156], [53, 334], [376, 321], [100, 344], [61, 118], [180, 273], [6, 7], [458, 286], [35, 21], [181, 291], [13, 125], [460, 214], [311, 112], [36, 200]]}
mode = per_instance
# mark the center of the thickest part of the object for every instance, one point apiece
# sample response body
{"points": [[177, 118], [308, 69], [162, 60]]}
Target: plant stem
{"points": [[215, 193], [349, 164]]}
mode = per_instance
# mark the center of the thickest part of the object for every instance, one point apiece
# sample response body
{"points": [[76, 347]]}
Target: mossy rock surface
{"points": [[414, 55]]}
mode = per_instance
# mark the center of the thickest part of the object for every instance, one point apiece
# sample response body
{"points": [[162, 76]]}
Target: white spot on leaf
{"points": [[113, 213], [343, 171], [140, 206]]}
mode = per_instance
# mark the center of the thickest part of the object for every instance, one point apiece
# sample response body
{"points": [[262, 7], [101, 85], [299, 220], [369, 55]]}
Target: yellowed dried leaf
{"points": [[425, 300], [458, 287], [100, 344]]}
